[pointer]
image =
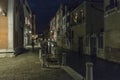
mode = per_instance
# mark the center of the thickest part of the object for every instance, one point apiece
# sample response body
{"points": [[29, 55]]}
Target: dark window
{"points": [[81, 16], [23, 1], [68, 19], [87, 41], [58, 32], [113, 4], [100, 41], [72, 33], [72, 39], [63, 11]]}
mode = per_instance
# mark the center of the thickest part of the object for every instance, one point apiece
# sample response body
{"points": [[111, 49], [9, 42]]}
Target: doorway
{"points": [[93, 46]]}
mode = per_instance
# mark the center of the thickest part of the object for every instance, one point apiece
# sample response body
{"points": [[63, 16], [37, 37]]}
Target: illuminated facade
{"points": [[59, 16], [58, 27], [28, 24], [11, 27], [61, 25], [53, 29]]}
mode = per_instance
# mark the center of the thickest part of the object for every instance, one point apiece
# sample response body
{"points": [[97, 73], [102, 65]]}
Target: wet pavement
{"points": [[27, 66], [102, 69]]}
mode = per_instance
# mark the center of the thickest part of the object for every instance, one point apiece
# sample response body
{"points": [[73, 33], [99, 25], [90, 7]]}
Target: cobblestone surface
{"points": [[27, 67]]}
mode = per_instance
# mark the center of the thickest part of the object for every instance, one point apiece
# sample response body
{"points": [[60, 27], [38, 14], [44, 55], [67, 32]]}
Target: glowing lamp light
{"points": [[51, 31], [0, 10], [52, 45], [3, 13], [30, 31]]}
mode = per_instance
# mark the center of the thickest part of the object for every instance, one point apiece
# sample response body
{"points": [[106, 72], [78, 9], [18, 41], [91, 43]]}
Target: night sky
{"points": [[44, 11]]}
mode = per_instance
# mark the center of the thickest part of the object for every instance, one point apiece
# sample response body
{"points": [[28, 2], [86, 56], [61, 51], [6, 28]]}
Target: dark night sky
{"points": [[44, 11]]}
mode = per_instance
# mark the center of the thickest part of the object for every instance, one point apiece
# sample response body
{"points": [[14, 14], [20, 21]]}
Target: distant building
{"points": [[11, 27], [59, 20], [53, 29], [58, 26], [61, 25], [34, 34], [28, 24], [112, 30]]}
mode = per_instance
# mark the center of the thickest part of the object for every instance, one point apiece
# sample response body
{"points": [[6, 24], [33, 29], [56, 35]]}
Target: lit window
{"points": [[75, 17], [81, 16]]}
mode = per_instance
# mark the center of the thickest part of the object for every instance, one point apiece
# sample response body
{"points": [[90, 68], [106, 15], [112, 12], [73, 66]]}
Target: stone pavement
{"points": [[27, 66]]}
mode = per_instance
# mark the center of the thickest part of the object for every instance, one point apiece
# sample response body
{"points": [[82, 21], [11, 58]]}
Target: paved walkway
{"points": [[27, 67]]}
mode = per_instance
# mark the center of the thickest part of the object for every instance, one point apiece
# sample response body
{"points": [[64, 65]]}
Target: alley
{"points": [[26, 66]]}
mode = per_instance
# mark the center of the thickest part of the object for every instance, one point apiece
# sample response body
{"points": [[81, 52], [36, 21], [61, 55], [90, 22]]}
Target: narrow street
{"points": [[26, 66]]}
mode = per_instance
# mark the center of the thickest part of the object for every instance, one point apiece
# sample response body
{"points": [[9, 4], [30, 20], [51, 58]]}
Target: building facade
{"points": [[11, 27], [28, 24], [61, 25], [59, 20], [112, 30], [78, 28], [53, 29], [86, 26], [95, 28]]}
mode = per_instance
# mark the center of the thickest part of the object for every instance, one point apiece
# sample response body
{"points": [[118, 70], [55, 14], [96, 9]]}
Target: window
{"points": [[72, 37], [81, 16], [68, 19], [72, 34], [23, 1], [100, 41], [58, 32], [76, 17], [87, 41], [72, 19], [112, 4]]}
